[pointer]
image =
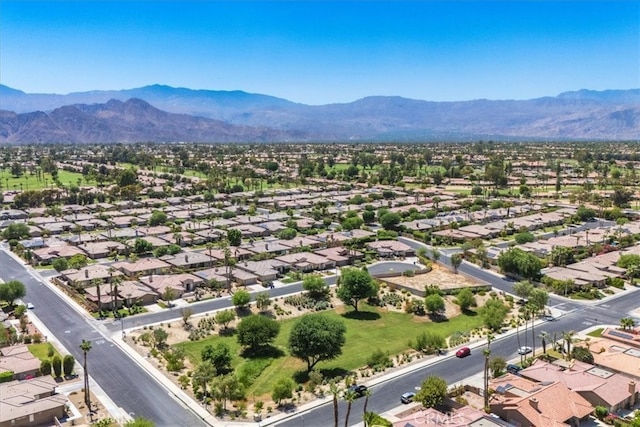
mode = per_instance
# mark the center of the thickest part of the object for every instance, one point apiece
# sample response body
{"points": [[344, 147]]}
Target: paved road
{"points": [[123, 380]]}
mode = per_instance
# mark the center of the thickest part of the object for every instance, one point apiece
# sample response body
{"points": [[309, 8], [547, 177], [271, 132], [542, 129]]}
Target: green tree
{"points": [[157, 218], [518, 262], [16, 231], [523, 289], [456, 260], [141, 246], [263, 301], [225, 317], [168, 296], [524, 237], [127, 177], [78, 261], [45, 367], [315, 338], [60, 264], [241, 298], [355, 285], [220, 357], [315, 285], [434, 304], [465, 299], [561, 256], [432, 392], [228, 388], [234, 236], [390, 220], [497, 365], [202, 375], [256, 332], [68, 363], [288, 234], [283, 389], [56, 364], [582, 354], [12, 290], [493, 314], [160, 337]]}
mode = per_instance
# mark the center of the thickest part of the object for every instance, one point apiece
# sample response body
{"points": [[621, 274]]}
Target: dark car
{"points": [[463, 352], [359, 390], [514, 369]]}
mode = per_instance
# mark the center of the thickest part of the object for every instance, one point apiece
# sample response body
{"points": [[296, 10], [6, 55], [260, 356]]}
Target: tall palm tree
{"points": [[335, 391], [544, 336], [349, 396], [367, 395], [97, 283], [487, 353], [86, 347]]}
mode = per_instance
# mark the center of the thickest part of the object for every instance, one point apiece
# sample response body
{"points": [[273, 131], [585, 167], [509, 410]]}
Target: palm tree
{"points": [[86, 347], [97, 283], [544, 336], [349, 396], [487, 353], [367, 395], [568, 339], [335, 391], [627, 323]]}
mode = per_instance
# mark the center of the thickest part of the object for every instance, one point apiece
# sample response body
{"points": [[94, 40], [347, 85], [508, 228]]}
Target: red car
{"points": [[463, 352]]}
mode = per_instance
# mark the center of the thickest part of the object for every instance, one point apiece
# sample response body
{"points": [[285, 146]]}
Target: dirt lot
{"points": [[439, 276]]}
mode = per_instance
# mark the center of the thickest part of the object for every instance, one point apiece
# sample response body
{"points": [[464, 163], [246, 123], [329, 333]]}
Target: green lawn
{"points": [[596, 332], [390, 331], [30, 182], [41, 350]]}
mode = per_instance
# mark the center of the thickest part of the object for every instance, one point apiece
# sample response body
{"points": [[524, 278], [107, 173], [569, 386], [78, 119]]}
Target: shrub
{"points": [[379, 360], [601, 412]]}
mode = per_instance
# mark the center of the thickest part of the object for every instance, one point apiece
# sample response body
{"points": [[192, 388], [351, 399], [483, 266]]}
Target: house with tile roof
{"points": [[527, 403], [597, 385]]}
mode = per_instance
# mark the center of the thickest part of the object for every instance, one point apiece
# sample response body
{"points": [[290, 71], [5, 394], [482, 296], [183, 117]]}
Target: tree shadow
{"points": [[438, 318], [227, 332], [329, 373], [262, 351], [470, 313], [362, 315]]}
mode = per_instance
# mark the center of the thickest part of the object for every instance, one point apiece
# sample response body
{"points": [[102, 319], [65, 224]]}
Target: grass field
{"points": [[41, 350], [30, 182], [390, 331]]}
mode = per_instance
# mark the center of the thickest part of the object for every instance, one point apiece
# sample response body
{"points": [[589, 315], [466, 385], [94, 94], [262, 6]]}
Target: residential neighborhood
{"points": [[265, 235]]}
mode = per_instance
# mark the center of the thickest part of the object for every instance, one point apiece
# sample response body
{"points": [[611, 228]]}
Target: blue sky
{"points": [[323, 52]]}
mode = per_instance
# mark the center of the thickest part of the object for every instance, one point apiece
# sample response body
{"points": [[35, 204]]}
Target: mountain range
{"points": [[166, 114]]}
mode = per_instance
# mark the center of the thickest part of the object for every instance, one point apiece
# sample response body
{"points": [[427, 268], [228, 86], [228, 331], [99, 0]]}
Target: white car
{"points": [[30, 306], [525, 350]]}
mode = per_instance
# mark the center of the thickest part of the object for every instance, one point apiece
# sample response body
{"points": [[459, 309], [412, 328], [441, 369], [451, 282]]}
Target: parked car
{"points": [[513, 369], [524, 350], [548, 318], [30, 306], [359, 390], [463, 352], [407, 397]]}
